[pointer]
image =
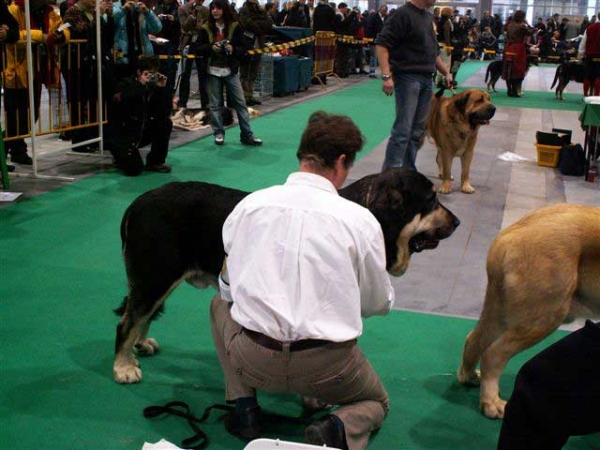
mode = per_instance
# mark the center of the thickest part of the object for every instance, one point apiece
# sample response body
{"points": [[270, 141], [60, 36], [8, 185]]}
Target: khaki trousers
{"points": [[336, 373]]}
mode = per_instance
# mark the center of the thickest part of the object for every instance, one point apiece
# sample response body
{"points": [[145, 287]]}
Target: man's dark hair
{"points": [[150, 63], [327, 137]]}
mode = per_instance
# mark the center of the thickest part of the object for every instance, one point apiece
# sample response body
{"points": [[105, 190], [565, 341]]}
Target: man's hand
{"points": [[448, 77], [388, 86], [106, 8], [162, 80]]}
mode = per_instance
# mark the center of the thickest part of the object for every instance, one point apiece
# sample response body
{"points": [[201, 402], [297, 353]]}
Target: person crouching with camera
{"points": [[138, 116], [221, 42]]}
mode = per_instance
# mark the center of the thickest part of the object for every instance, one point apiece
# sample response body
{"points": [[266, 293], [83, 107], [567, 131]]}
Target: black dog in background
{"points": [[565, 72], [494, 71], [173, 234]]}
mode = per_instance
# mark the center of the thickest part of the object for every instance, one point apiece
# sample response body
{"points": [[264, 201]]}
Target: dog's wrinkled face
{"points": [[412, 219], [475, 105]]}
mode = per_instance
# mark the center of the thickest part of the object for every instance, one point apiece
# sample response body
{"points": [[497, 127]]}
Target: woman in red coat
{"points": [[515, 53]]}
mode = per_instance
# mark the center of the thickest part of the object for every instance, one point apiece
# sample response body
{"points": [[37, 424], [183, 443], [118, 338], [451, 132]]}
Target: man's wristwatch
{"points": [[386, 77]]}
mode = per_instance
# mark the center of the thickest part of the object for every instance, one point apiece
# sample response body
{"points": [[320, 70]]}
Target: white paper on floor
{"points": [[9, 196], [512, 157]]}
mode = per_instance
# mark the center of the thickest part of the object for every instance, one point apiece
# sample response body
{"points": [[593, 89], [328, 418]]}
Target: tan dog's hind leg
{"points": [[465, 160], [445, 166], [487, 330], [530, 308], [498, 354]]}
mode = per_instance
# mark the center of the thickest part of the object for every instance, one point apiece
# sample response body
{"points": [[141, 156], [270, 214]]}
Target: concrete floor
{"points": [[451, 279]]}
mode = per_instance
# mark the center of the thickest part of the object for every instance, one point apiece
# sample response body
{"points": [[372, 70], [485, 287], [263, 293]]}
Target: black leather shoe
{"points": [[21, 158], [160, 168], [244, 424], [10, 168], [327, 431]]}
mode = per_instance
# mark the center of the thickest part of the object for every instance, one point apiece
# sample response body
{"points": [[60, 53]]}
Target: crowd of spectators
{"points": [[131, 30]]}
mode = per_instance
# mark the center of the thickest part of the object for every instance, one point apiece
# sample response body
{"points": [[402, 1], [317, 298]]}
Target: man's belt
{"points": [[274, 344]]}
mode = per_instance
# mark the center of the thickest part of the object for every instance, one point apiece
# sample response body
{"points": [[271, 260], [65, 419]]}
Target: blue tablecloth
{"points": [[291, 74], [285, 75], [291, 33], [281, 35]]}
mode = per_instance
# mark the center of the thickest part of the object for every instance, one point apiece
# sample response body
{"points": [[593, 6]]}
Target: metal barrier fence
{"points": [[263, 86], [68, 79], [324, 56]]}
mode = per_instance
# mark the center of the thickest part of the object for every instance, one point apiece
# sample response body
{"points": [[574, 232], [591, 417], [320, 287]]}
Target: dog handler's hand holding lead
{"points": [[448, 77], [388, 84]]}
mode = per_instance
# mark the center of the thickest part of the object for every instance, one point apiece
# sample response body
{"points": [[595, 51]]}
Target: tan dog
{"points": [[453, 123], [542, 270]]}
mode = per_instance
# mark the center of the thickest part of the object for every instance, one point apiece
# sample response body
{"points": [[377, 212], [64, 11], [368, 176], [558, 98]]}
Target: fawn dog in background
{"points": [[454, 123]]}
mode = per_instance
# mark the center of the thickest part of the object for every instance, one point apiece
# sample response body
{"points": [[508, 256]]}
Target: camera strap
{"points": [[199, 440]]}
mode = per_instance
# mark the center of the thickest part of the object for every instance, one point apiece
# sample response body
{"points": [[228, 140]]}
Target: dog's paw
{"points": [[467, 188], [445, 188], [127, 374], [494, 410], [471, 379], [147, 347]]}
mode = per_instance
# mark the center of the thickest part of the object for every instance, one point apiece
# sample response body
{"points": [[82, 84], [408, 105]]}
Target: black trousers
{"points": [[126, 151], [248, 73], [184, 82], [16, 106], [556, 395]]}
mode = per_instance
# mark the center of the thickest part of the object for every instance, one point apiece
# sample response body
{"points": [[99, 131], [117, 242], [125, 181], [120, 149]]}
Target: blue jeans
{"points": [[413, 97], [235, 99], [374, 62]]}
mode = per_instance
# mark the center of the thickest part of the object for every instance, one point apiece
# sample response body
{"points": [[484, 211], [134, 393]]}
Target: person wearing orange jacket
{"points": [[46, 36]]}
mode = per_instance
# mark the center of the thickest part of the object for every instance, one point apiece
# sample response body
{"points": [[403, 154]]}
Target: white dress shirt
{"points": [[304, 263]]}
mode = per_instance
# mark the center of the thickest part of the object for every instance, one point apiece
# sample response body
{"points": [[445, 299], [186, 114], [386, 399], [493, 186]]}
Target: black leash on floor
{"points": [[181, 409]]}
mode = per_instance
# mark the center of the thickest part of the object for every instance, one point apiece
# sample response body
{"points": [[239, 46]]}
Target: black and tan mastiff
{"points": [[542, 271], [173, 234], [453, 123]]}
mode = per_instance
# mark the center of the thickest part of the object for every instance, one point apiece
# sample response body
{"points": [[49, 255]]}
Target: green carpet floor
{"points": [[62, 274], [530, 99]]}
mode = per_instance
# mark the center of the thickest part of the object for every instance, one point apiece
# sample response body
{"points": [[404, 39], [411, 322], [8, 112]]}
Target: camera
{"points": [[153, 78], [223, 46]]}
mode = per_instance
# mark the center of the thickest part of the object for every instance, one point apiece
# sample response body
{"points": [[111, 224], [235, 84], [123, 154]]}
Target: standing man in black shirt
{"points": [[408, 54]]}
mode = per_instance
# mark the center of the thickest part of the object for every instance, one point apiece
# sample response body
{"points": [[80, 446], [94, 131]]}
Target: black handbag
{"points": [[572, 160]]}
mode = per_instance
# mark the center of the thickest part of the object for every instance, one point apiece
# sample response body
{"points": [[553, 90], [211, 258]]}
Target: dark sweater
{"points": [[410, 38]]}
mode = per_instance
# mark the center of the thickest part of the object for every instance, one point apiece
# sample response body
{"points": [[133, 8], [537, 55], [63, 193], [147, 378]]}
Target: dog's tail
{"points": [[557, 75]]}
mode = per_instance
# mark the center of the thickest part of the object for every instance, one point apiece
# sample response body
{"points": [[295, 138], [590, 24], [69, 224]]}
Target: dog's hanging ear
{"points": [[385, 194], [461, 102]]}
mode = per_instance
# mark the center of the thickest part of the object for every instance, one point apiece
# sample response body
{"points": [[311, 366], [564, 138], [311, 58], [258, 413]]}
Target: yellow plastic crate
{"points": [[547, 155]]}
